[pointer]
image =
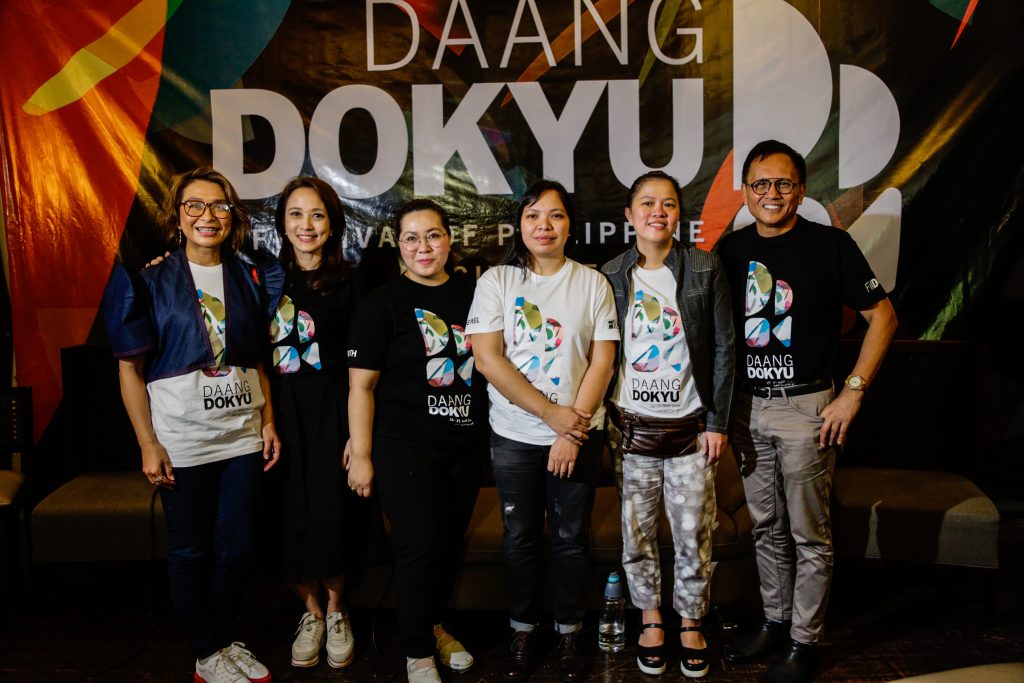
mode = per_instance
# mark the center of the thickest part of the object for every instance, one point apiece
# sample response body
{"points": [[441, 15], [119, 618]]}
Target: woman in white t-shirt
{"points": [[544, 332], [671, 403], [190, 335]]}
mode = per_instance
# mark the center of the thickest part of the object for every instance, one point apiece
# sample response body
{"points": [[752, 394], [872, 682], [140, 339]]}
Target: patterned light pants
{"points": [[687, 485]]}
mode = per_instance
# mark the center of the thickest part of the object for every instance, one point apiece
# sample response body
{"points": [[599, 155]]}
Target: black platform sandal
{"points": [[700, 669], [651, 660]]}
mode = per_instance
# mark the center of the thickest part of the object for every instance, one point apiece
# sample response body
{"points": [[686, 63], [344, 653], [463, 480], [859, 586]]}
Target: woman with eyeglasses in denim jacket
{"points": [[190, 336]]}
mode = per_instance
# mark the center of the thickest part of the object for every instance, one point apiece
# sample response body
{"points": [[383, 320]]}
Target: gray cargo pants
{"points": [[787, 479]]}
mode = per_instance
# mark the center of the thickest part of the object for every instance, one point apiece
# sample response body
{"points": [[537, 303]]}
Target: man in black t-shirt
{"points": [[790, 279]]}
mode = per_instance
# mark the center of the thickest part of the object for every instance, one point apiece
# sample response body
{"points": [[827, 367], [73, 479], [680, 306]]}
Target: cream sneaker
{"points": [[218, 668], [244, 660], [340, 644], [309, 638]]}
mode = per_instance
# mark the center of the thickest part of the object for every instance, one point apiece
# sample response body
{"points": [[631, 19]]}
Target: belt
{"points": [[794, 390]]}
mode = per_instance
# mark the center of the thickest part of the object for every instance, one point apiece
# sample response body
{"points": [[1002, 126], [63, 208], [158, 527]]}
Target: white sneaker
{"points": [[309, 638], [218, 668], [245, 662], [426, 675], [340, 644]]}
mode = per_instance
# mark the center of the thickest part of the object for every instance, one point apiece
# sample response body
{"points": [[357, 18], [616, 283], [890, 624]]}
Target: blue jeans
{"points": [[528, 491], [209, 516]]}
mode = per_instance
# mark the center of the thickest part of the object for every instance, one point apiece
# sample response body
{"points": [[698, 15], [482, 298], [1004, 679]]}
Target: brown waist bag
{"points": [[660, 436]]}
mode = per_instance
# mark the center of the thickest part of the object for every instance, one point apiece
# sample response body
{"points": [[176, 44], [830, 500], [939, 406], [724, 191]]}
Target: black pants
{"points": [[428, 496]]}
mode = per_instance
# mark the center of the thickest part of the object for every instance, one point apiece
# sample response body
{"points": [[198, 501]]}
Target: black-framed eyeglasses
{"points": [[411, 241], [762, 186], [196, 208]]}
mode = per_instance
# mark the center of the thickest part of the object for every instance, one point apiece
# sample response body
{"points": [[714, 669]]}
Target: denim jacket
{"points": [[706, 312], [157, 312]]}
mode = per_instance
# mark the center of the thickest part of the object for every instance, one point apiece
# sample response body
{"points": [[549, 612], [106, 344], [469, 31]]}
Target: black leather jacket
{"points": [[706, 312]]}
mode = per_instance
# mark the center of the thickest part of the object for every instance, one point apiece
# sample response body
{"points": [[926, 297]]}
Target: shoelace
{"points": [[224, 669], [238, 653], [306, 624], [520, 640], [337, 624]]}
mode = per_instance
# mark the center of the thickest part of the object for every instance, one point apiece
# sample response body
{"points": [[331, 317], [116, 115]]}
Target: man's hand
{"points": [[838, 415]]}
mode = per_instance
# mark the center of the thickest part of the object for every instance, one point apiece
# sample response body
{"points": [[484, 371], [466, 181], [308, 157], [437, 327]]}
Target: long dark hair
{"points": [[240, 222], [414, 205], [517, 254], [333, 267]]}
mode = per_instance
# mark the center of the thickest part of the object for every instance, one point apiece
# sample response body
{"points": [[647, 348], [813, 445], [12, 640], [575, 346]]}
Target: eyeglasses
{"points": [[411, 241], [761, 187], [197, 208]]}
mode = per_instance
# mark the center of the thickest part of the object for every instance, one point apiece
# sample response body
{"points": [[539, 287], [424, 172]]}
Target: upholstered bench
{"points": [[903, 488], [99, 516], [918, 515]]}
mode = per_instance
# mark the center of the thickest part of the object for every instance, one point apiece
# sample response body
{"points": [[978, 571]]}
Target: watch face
{"points": [[855, 382]]}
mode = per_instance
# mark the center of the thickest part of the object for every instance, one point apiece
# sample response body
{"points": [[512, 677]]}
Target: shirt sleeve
{"points": [[487, 312], [606, 319], [130, 329], [369, 335], [860, 288]]}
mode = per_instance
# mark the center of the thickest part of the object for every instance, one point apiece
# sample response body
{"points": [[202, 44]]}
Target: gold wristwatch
{"points": [[856, 383]]}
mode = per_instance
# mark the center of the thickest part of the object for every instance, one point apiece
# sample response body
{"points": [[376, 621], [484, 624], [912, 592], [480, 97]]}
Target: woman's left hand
{"points": [[562, 457], [714, 445], [271, 446]]}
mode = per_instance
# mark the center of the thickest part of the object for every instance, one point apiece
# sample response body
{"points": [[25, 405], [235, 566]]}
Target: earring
{"points": [[181, 238]]}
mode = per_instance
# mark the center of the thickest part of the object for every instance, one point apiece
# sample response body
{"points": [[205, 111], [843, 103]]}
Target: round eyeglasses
{"points": [[411, 241], [762, 186], [196, 208]]}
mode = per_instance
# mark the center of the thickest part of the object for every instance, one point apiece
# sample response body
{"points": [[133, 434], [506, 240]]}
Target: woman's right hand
{"points": [[156, 465], [360, 476], [567, 422]]}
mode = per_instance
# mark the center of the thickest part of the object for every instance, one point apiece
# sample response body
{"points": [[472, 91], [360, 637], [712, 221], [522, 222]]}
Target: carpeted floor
{"points": [[885, 622]]}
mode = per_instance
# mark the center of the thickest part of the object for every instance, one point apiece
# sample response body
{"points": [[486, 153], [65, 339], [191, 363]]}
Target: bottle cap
{"points": [[613, 589]]}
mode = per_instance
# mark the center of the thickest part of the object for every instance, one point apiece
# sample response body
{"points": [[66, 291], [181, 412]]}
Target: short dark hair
{"points": [[333, 266], [517, 254], [422, 204], [654, 175], [240, 223], [767, 148]]}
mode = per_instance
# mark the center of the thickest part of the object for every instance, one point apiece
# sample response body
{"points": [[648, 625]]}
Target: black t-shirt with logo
{"points": [[429, 391], [788, 295]]}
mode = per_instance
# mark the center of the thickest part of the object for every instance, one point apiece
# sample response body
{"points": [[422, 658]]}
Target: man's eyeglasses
{"points": [[411, 241], [197, 208], [762, 186]]}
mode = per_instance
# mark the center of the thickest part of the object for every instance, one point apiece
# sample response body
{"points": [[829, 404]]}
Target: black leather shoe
{"points": [[519, 664], [795, 666], [769, 639], [572, 663]]}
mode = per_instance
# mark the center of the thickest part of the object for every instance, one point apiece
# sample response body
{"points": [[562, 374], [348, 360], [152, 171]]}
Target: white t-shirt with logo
{"points": [[211, 414], [655, 373], [548, 323]]}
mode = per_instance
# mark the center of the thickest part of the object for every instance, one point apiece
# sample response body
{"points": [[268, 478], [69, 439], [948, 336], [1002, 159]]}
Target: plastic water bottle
{"points": [[611, 628]]}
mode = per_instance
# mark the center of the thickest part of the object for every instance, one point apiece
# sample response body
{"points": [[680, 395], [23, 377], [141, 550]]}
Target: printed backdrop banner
{"points": [[902, 109]]}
